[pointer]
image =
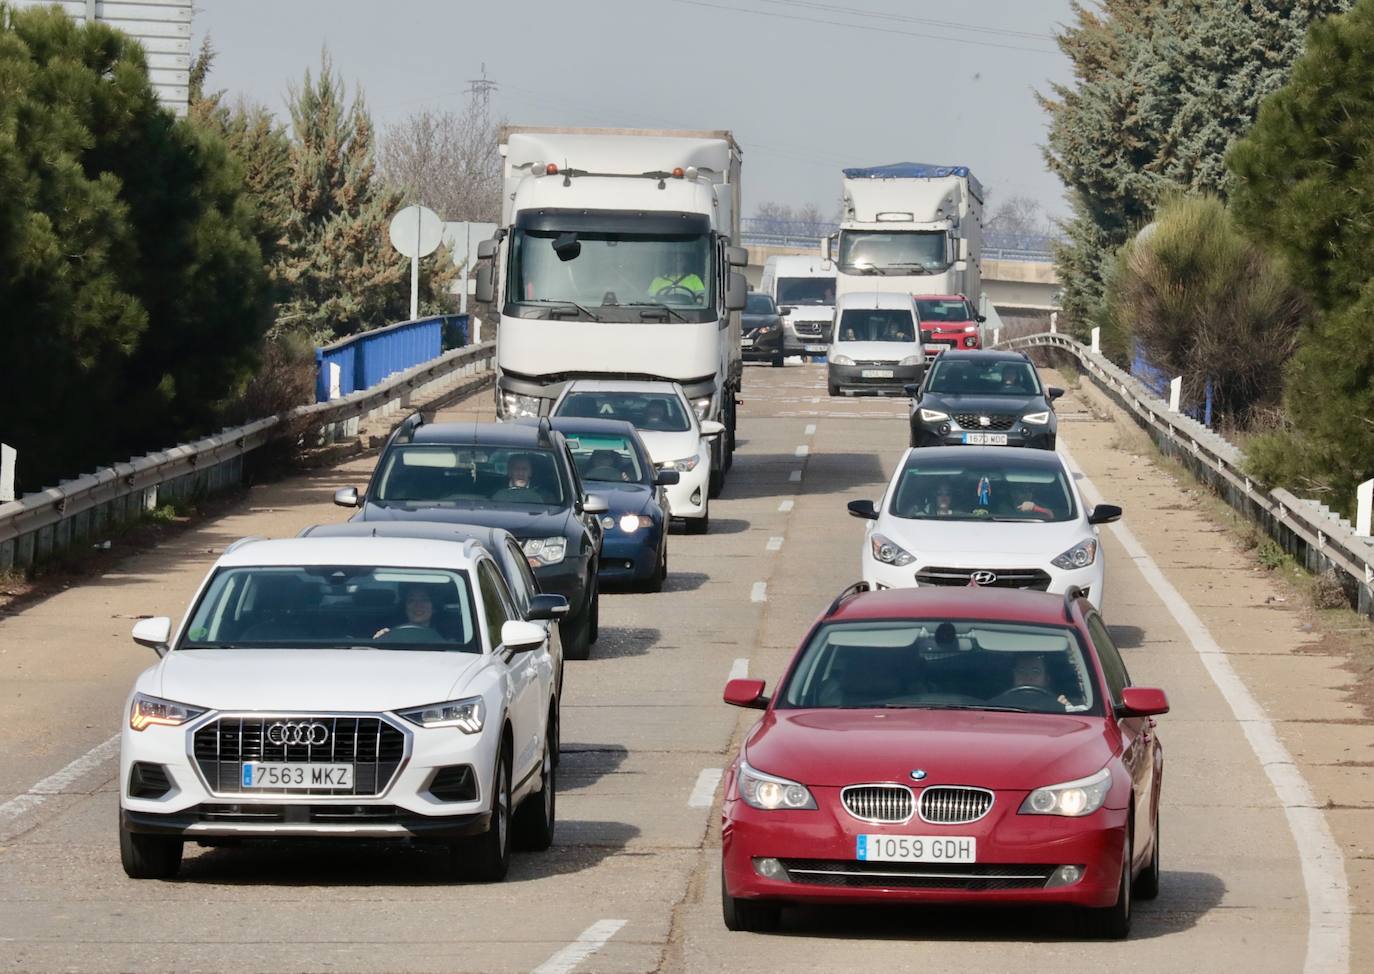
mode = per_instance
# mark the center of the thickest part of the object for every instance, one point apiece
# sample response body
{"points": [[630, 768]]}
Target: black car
{"points": [[761, 328], [978, 398], [517, 476]]}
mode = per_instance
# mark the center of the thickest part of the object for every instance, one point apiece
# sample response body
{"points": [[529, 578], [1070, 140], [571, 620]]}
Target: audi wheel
{"points": [[149, 856], [485, 858], [534, 820]]}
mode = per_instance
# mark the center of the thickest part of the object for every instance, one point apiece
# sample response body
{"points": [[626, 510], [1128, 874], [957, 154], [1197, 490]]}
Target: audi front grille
{"points": [[974, 421], [1028, 578], [884, 804], [374, 747], [954, 804], [910, 875]]}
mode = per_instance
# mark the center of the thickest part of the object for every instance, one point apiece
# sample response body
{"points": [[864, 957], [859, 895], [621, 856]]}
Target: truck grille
{"points": [[373, 746], [974, 421], [901, 875], [1028, 578], [878, 803], [954, 805]]}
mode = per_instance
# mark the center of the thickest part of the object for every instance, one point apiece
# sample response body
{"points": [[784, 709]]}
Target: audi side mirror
{"points": [[521, 637], [667, 478], [347, 497], [746, 693], [1104, 514], [153, 633], [547, 607], [864, 510], [1142, 702]]}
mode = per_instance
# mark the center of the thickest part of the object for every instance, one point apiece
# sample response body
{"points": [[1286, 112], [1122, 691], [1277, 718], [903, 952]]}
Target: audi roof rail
{"points": [[1071, 595], [848, 593]]}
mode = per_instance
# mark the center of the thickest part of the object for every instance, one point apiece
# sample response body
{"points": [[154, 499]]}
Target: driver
{"points": [[678, 278], [1013, 379], [944, 501], [1032, 670], [419, 613], [520, 486], [655, 415]]}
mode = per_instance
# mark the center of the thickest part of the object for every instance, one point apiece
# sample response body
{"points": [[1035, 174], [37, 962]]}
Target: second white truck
{"points": [[805, 286]]}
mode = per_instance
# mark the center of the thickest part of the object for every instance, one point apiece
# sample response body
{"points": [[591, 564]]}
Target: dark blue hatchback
{"points": [[614, 464]]}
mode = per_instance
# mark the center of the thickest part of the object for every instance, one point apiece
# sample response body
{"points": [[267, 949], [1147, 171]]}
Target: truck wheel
{"points": [[149, 856]]}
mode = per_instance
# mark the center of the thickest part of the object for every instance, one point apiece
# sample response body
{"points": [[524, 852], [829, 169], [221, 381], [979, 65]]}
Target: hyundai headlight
{"points": [[155, 712], [889, 552], [1039, 419], [933, 416], [841, 360], [769, 793], [1072, 799], [701, 406], [684, 465], [545, 551], [468, 715], [912, 360], [516, 406], [1080, 555]]}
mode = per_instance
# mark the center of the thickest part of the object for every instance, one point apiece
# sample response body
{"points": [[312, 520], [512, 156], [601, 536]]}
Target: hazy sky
{"points": [[805, 94]]}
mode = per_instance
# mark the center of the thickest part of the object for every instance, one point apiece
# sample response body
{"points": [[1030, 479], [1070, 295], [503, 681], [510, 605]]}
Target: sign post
{"points": [[8, 455], [415, 232]]}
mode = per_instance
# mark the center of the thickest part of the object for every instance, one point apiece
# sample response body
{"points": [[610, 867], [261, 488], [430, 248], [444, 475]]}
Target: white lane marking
{"points": [[794, 476], [59, 781], [810, 429], [803, 450], [588, 942], [704, 791], [775, 544], [1323, 864], [759, 593], [740, 670], [786, 506]]}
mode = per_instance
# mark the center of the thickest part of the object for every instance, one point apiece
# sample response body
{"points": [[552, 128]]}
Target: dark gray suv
{"points": [[980, 398]]}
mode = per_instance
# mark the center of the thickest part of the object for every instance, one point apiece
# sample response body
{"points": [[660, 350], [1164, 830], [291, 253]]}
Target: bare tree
{"points": [[802, 221], [1020, 215], [447, 161]]}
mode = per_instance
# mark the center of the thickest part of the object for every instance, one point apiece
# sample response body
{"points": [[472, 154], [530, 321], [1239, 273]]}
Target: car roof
{"points": [[961, 602], [1031, 458], [392, 552], [615, 385], [981, 355], [488, 537], [873, 299], [574, 424], [484, 434], [939, 297]]}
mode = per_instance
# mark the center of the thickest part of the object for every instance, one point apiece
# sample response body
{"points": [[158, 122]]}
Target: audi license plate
{"points": [[816, 348], [296, 774], [876, 373], [917, 848], [985, 439], [746, 343]]}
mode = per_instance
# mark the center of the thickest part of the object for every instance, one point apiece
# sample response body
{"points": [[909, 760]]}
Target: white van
{"points": [[803, 288], [877, 345]]}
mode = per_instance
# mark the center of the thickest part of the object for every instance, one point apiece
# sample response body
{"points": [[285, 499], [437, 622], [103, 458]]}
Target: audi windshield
{"points": [[335, 607]]}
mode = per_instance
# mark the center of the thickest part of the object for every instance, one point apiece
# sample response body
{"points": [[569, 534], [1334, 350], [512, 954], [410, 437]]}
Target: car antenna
{"points": [[848, 593], [1071, 593]]}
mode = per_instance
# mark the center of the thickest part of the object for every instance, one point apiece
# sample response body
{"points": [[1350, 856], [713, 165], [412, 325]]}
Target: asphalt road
{"points": [[632, 881]]}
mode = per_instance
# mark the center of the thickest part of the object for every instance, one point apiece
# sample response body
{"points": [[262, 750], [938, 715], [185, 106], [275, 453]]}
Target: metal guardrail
{"points": [[1306, 529], [38, 524], [366, 359]]}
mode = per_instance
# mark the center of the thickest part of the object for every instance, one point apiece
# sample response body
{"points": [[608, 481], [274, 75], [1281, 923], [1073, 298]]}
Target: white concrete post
{"points": [[996, 336], [1364, 502], [475, 331], [8, 456], [1175, 393], [1054, 322], [1097, 341], [334, 380]]}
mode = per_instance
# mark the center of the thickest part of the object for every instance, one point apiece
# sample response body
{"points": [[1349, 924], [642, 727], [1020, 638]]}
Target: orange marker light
{"points": [[551, 169], [678, 173]]}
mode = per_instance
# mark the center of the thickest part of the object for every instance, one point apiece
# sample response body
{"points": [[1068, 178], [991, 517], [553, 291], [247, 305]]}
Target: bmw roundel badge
{"points": [[919, 774]]}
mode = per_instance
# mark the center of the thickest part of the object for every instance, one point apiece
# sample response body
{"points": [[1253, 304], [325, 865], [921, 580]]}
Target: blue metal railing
{"points": [[1155, 379], [366, 359]]}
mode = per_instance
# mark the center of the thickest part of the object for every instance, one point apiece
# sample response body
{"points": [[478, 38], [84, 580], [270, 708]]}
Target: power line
{"points": [[907, 19]]}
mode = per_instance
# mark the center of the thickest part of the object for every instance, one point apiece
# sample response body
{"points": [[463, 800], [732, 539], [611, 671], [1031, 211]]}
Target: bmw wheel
{"points": [[1147, 884], [747, 915], [1114, 922]]}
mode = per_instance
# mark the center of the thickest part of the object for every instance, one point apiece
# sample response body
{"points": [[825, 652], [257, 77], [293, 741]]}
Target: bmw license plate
{"points": [[746, 343], [816, 348], [296, 774], [985, 439], [876, 373], [917, 848]]}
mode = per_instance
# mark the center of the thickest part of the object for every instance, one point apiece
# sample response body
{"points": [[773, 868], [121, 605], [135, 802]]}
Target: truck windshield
{"points": [[814, 291], [611, 270], [899, 252]]}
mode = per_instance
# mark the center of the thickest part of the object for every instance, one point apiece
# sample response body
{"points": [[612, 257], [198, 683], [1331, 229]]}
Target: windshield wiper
{"points": [[970, 706], [909, 263], [561, 310], [651, 307]]}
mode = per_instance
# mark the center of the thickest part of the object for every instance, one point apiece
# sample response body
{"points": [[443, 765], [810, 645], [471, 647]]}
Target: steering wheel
{"points": [[1025, 690], [409, 629], [663, 293]]}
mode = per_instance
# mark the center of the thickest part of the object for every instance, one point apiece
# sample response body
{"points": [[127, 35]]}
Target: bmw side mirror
{"points": [[1054, 392], [485, 290], [746, 693], [1142, 702], [521, 637], [595, 504], [667, 478], [346, 497], [153, 633], [547, 607], [863, 509], [1104, 514]]}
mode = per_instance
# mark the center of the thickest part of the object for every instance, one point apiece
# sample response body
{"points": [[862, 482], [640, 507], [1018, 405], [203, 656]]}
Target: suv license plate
{"points": [[917, 848], [816, 348], [296, 774], [985, 439], [876, 373], [746, 343]]}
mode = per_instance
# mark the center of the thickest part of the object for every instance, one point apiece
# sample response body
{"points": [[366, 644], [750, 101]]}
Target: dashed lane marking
{"points": [[794, 477], [759, 593], [588, 942], [58, 782], [775, 544], [810, 429], [803, 450], [786, 505], [740, 670], [704, 791]]}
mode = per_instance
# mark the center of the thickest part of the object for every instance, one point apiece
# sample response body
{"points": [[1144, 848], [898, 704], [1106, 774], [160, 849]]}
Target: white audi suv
{"points": [[382, 688], [999, 517]]}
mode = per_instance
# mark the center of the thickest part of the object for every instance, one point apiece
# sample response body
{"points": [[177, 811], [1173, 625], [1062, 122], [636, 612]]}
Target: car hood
{"points": [[804, 312], [957, 747], [988, 405], [314, 680], [876, 351], [671, 446], [750, 322], [960, 543], [538, 522], [622, 498]]}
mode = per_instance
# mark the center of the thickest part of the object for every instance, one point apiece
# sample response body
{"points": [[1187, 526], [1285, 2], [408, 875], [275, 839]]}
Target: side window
{"points": [[1113, 666], [495, 600], [525, 586]]}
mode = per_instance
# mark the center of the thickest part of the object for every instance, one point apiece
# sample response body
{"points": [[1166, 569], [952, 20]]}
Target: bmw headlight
{"points": [[1039, 419], [769, 793], [1072, 799], [701, 405], [467, 715], [516, 406], [841, 360], [683, 465], [888, 551], [155, 712], [545, 551], [933, 416], [1080, 555]]}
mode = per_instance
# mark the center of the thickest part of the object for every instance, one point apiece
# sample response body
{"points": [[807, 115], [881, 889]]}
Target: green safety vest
{"points": [[689, 281]]}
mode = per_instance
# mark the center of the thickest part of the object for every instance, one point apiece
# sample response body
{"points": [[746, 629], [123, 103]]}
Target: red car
{"points": [[958, 745], [948, 321]]}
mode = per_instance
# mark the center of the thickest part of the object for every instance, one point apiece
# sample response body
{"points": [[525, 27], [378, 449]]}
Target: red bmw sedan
{"points": [[947, 746]]}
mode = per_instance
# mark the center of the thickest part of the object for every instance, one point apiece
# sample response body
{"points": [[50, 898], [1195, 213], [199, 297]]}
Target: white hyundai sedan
{"points": [[998, 517], [354, 688], [667, 424]]}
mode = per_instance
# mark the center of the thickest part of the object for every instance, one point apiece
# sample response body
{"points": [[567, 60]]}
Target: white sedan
{"points": [[667, 424], [380, 688], [998, 517]]}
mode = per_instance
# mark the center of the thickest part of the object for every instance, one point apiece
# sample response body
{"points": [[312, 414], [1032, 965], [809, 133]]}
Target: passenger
{"points": [[418, 615], [1023, 502]]}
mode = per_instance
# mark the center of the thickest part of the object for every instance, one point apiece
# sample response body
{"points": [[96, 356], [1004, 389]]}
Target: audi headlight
{"points": [[933, 416], [683, 465], [889, 552], [516, 406], [1039, 419], [911, 360], [701, 405], [155, 712], [630, 523], [1080, 555], [468, 715], [545, 551], [769, 792], [1072, 799], [841, 360]]}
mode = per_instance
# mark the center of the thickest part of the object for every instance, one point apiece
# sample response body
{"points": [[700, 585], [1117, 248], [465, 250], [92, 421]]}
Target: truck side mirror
{"points": [[825, 249], [737, 256], [963, 248], [485, 292], [736, 292], [486, 250]]}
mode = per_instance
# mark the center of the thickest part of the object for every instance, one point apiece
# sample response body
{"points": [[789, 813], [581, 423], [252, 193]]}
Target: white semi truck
{"points": [[909, 227], [616, 258]]}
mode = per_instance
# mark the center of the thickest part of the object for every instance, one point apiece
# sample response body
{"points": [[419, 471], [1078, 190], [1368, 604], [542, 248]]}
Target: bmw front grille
{"points": [[954, 804]]}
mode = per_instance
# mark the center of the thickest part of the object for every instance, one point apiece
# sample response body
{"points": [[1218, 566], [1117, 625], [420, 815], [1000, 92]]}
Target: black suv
{"points": [[978, 398], [761, 330], [517, 476]]}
